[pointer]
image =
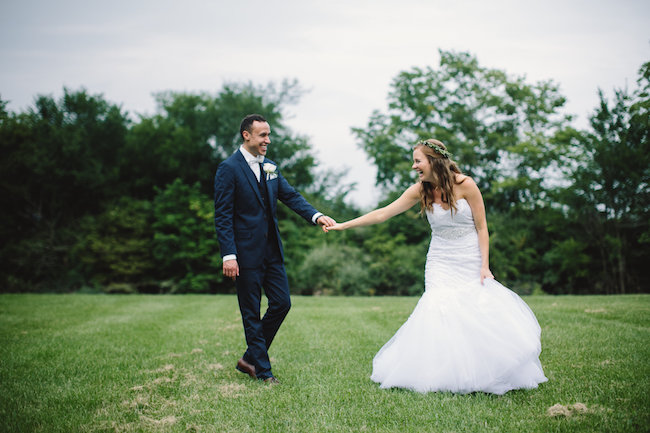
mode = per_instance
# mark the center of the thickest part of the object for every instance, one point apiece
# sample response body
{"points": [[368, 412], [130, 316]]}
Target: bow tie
{"points": [[258, 160]]}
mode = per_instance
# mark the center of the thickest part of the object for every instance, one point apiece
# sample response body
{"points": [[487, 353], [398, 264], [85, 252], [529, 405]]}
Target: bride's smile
{"points": [[421, 166]]}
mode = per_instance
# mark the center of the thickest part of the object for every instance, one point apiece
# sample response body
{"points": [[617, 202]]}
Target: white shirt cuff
{"points": [[316, 216], [229, 257]]}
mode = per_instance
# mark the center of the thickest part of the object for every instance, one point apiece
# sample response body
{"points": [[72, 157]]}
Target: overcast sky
{"points": [[345, 52]]}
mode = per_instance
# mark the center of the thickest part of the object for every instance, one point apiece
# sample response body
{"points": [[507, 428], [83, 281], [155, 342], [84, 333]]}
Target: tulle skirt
{"points": [[463, 336]]}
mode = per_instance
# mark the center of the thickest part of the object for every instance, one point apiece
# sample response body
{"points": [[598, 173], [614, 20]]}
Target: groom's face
{"points": [[258, 138]]}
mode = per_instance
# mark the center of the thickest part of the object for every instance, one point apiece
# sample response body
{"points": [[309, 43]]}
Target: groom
{"points": [[247, 187]]}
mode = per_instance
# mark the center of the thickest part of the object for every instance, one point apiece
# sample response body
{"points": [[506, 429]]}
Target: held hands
{"points": [[325, 222], [335, 227]]}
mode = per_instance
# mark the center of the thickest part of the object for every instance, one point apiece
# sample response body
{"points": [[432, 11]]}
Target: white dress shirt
{"points": [[253, 161]]}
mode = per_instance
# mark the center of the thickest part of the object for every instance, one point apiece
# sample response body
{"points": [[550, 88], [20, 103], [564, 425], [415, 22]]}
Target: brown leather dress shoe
{"points": [[247, 368], [272, 381]]}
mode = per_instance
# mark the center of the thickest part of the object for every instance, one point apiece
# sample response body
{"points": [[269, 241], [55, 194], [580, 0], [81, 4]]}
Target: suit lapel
{"points": [[248, 174]]}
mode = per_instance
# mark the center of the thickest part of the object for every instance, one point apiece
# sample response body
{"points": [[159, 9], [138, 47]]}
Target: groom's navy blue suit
{"points": [[247, 226]]}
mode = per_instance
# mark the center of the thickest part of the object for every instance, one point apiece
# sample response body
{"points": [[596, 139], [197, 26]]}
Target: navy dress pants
{"points": [[271, 277]]}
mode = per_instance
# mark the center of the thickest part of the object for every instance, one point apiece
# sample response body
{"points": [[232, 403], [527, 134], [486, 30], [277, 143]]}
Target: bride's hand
{"points": [[485, 273], [337, 227]]}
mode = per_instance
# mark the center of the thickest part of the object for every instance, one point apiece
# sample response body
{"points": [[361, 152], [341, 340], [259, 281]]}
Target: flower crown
{"points": [[444, 152]]}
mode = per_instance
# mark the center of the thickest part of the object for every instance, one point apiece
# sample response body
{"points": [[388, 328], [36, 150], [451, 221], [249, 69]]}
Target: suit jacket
{"points": [[240, 217]]}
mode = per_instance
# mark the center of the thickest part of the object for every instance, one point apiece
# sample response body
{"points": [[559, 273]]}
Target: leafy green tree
{"points": [[610, 192], [185, 248], [519, 241], [193, 132], [59, 162], [568, 267], [60, 158], [115, 247], [500, 129]]}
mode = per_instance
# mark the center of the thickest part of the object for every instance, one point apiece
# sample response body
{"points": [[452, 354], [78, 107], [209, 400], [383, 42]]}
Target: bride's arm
{"points": [[402, 204], [472, 194]]}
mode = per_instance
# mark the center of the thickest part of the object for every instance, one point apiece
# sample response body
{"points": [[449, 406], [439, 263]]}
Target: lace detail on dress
{"points": [[452, 233]]}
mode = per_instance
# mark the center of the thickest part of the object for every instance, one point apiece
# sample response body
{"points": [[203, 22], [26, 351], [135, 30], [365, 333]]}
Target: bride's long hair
{"points": [[444, 172]]}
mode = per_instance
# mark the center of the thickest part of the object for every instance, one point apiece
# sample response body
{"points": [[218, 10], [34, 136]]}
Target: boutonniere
{"points": [[269, 169]]}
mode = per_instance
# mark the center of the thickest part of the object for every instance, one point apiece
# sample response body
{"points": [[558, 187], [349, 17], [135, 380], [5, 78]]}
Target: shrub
{"points": [[334, 270]]}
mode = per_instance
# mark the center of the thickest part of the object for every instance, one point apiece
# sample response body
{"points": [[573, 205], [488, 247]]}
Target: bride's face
{"points": [[421, 166]]}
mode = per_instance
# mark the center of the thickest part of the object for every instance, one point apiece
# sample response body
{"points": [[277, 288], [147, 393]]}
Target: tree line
{"points": [[95, 199]]}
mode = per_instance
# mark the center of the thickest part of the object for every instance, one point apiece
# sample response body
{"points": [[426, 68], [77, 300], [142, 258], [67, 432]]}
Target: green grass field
{"points": [[166, 363]]}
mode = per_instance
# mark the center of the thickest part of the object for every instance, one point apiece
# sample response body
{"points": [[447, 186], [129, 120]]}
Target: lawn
{"points": [[101, 363]]}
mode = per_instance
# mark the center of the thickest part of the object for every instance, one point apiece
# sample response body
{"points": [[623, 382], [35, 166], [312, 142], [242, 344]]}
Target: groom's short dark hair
{"points": [[248, 122]]}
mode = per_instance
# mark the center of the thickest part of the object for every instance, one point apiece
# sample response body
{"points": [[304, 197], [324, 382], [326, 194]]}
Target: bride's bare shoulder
{"points": [[464, 186], [415, 188]]}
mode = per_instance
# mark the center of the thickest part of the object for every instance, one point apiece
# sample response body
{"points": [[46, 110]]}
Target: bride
{"points": [[467, 332]]}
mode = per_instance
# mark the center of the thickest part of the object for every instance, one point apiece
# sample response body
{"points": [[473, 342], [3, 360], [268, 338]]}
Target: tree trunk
{"points": [[621, 260]]}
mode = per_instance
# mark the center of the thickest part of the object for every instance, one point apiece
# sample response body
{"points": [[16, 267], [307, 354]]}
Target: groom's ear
{"points": [[246, 135]]}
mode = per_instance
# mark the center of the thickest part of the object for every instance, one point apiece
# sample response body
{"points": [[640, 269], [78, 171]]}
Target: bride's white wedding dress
{"points": [[462, 336]]}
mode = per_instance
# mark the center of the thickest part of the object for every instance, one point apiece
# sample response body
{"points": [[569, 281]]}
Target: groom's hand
{"points": [[324, 221], [231, 269]]}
